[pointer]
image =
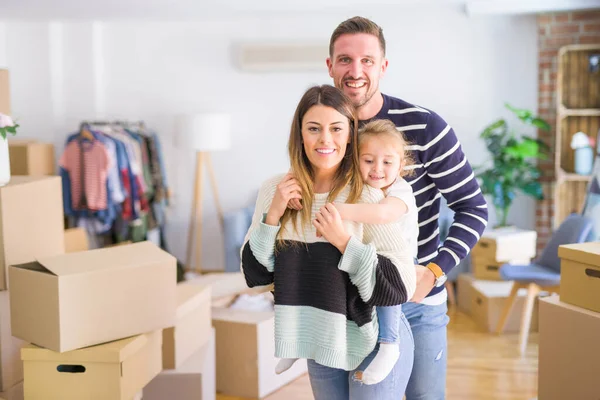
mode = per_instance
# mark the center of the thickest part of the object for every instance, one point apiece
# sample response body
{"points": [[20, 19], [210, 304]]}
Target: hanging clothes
{"points": [[114, 181]]}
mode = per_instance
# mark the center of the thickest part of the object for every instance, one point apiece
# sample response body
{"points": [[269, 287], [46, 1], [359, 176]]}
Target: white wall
{"points": [[463, 68]]}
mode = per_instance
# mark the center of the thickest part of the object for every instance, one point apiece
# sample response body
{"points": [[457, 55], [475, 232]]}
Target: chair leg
{"points": [[532, 292], [510, 302], [451, 294]]}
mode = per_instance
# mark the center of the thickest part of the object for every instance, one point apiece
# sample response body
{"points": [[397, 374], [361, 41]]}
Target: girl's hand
{"points": [[287, 189], [329, 225]]}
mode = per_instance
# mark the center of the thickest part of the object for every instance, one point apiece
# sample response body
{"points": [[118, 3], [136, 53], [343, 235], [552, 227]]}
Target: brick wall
{"points": [[556, 30]]}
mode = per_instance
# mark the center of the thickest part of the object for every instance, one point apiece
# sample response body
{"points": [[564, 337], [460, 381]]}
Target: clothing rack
{"points": [[114, 181]]}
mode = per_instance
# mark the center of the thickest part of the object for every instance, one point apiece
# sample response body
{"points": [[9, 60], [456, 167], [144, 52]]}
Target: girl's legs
{"points": [[387, 355]]}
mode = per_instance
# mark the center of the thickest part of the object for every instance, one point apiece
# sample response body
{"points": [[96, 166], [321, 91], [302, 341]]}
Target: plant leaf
{"points": [[540, 123], [533, 189]]}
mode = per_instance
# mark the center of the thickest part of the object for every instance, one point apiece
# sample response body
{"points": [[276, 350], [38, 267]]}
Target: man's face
{"points": [[356, 66]]}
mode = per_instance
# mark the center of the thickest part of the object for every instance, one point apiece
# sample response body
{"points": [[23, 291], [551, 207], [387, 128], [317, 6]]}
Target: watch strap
{"points": [[437, 271]]}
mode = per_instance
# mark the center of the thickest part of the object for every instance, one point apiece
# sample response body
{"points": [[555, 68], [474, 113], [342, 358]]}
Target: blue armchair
{"points": [[543, 274], [235, 227]]}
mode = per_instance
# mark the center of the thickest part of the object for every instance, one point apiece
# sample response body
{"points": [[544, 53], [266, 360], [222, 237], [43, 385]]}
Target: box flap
{"points": [[241, 316], [22, 142], [24, 179], [136, 254], [112, 352], [585, 253], [554, 300], [190, 296]]}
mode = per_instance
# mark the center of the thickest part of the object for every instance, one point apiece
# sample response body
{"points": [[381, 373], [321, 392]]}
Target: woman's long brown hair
{"points": [[347, 172]]}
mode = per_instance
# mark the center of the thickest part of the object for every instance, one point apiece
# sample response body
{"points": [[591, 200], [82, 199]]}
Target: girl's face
{"points": [[325, 136], [380, 161]]}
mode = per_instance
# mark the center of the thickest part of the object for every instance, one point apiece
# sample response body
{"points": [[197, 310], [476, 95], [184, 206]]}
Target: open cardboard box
{"points": [[92, 297]]}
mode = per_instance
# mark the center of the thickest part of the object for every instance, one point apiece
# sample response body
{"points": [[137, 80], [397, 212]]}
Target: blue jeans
{"points": [[389, 329], [336, 384], [428, 324]]}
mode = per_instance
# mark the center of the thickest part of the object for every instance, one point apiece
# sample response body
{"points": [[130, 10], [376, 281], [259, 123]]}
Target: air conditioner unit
{"points": [[280, 57]]}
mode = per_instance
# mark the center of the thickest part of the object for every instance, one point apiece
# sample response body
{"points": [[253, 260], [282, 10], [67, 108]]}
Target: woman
{"points": [[328, 283]]}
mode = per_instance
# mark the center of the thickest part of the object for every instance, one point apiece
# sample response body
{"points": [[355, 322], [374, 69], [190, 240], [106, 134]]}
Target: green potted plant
{"points": [[512, 166], [6, 126]]}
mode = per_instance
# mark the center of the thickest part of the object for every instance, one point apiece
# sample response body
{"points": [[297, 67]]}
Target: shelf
{"points": [[571, 177], [578, 112]]}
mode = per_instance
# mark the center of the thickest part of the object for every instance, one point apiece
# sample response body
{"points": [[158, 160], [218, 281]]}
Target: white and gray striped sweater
{"points": [[324, 301]]}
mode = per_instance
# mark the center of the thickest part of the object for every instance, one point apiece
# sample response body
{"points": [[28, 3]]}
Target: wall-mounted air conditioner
{"points": [[280, 57]]}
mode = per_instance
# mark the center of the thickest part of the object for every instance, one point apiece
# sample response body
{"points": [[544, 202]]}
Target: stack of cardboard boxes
{"points": [[100, 324], [482, 294], [569, 351]]}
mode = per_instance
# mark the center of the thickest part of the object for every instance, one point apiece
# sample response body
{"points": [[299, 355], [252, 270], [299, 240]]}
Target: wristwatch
{"points": [[440, 276]]}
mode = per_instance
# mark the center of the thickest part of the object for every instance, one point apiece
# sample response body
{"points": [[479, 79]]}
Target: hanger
{"points": [[84, 131]]}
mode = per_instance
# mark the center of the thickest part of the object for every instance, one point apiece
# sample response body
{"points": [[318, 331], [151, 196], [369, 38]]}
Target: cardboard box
{"points": [[489, 269], [245, 354], [580, 274], [464, 292], [13, 393], [488, 301], [92, 297], [31, 221], [4, 92], [194, 380], [11, 367], [192, 328], [115, 370], [506, 244], [76, 240], [30, 157], [569, 351]]}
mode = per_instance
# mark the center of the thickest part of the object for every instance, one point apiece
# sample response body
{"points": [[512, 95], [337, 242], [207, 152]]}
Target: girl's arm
{"points": [[399, 200], [387, 210]]}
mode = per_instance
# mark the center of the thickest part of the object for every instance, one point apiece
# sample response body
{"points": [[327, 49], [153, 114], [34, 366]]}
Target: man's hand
{"points": [[425, 282]]}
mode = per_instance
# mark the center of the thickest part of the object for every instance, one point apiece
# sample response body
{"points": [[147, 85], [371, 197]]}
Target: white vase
{"points": [[4, 162]]}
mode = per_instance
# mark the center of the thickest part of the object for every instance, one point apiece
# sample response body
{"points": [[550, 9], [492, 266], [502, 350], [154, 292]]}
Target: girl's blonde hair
{"points": [[385, 127], [346, 174]]}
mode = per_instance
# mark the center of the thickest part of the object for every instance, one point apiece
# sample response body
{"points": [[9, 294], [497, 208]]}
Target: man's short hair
{"points": [[357, 25]]}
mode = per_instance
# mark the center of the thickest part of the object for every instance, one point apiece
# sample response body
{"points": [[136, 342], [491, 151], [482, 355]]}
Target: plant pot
{"points": [[4, 162]]}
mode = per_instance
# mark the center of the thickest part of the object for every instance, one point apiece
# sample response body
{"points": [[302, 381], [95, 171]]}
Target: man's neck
{"points": [[371, 108]]}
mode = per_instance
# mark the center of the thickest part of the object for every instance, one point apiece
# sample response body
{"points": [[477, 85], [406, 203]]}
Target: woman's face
{"points": [[325, 135]]}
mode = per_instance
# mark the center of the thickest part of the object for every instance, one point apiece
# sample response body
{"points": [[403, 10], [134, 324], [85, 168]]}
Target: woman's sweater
{"points": [[324, 301]]}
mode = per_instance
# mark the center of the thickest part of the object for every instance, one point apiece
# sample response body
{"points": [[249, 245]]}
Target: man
{"points": [[356, 63]]}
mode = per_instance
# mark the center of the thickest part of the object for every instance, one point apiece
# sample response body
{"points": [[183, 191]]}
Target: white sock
{"points": [[284, 364], [382, 363]]}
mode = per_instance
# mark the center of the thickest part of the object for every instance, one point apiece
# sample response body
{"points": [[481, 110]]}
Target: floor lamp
{"points": [[203, 133]]}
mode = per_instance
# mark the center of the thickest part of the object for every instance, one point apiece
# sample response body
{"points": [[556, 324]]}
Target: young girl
{"points": [[382, 158]]}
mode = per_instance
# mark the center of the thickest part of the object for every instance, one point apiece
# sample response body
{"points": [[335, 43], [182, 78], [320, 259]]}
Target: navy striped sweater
{"points": [[441, 169]]}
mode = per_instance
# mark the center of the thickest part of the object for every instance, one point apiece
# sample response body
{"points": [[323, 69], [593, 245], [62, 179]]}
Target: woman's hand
{"points": [[287, 189], [329, 225]]}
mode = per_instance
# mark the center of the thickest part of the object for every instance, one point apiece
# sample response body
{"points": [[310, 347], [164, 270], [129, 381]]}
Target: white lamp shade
{"points": [[204, 132]]}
